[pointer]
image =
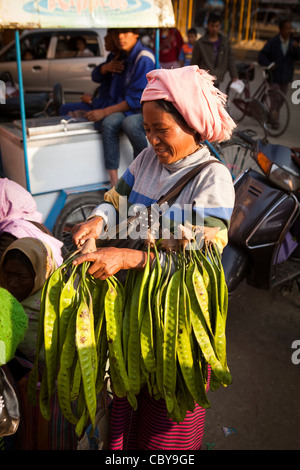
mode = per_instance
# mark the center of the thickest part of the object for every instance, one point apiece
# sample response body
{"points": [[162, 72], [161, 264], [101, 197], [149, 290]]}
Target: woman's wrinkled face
{"points": [[169, 139], [18, 279]]}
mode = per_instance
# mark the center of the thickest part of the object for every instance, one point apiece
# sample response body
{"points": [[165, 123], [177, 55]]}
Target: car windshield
{"points": [[32, 47], [35, 46]]}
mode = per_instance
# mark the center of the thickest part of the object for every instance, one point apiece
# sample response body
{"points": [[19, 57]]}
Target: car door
{"points": [[34, 62], [72, 68]]}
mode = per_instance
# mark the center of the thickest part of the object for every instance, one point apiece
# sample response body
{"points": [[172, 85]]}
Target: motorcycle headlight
{"points": [[277, 175], [283, 179]]}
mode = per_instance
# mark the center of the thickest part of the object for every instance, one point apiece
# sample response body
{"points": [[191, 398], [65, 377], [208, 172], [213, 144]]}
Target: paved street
{"points": [[262, 406]]}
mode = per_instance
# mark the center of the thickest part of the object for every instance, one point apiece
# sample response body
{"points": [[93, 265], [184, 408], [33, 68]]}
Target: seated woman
{"points": [[19, 218], [25, 266], [181, 108]]}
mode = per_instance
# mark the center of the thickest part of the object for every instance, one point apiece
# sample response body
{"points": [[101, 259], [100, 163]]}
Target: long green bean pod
{"points": [[51, 319], [67, 304], [33, 376], [137, 310], [129, 286], [190, 370], [159, 335], [147, 338], [85, 342], [64, 376], [44, 399], [75, 380], [113, 315], [170, 338]]}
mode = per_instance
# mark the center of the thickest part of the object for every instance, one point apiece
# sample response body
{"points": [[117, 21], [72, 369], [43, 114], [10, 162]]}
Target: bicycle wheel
{"points": [[276, 125], [237, 157], [236, 103], [74, 212]]}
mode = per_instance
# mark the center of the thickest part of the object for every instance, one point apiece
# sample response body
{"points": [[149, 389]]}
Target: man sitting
{"points": [[122, 111]]}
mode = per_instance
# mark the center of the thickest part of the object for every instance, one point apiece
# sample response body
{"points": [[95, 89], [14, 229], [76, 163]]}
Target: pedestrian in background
{"points": [[212, 52], [171, 43], [186, 52], [283, 50]]}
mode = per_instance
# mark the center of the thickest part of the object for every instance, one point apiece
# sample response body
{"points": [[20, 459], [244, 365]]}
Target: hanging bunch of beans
{"points": [[162, 329]]}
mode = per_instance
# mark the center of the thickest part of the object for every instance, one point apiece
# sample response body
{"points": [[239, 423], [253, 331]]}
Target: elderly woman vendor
{"points": [[181, 108]]}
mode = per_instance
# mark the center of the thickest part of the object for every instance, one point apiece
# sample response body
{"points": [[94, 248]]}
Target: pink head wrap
{"points": [[17, 210], [194, 95]]}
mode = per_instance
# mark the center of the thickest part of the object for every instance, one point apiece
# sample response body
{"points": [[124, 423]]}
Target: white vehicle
{"points": [[52, 57]]}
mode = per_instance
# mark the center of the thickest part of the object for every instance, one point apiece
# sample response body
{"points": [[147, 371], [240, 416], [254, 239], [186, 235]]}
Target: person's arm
{"points": [[90, 228], [106, 262], [138, 81], [181, 57], [264, 55], [99, 114], [96, 74], [213, 202], [113, 66], [104, 217], [133, 93], [295, 50], [102, 72]]}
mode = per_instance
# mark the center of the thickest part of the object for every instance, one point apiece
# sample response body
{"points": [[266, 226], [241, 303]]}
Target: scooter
{"points": [[266, 211]]}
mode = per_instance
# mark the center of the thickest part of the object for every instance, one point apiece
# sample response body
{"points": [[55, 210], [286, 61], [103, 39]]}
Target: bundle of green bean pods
{"points": [[161, 329]]}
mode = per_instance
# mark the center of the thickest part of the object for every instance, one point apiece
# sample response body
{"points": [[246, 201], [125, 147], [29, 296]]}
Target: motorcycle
{"points": [[265, 216]]}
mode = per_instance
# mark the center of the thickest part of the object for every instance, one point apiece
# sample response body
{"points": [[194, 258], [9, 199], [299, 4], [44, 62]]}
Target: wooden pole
{"points": [[248, 19], [241, 19]]}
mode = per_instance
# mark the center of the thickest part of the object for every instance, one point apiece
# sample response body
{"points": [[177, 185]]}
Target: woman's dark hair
{"points": [[18, 255], [169, 108]]}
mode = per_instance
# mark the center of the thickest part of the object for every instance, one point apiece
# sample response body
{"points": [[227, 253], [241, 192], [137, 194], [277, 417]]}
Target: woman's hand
{"points": [[91, 228], [106, 262]]}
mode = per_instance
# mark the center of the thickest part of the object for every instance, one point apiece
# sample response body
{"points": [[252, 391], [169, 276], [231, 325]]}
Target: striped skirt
{"points": [[149, 428]]}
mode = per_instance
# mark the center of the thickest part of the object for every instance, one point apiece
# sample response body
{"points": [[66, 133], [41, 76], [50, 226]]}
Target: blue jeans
{"points": [[110, 128]]}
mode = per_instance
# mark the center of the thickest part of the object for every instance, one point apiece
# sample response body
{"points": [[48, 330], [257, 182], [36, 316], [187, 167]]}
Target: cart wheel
{"points": [[74, 212]]}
